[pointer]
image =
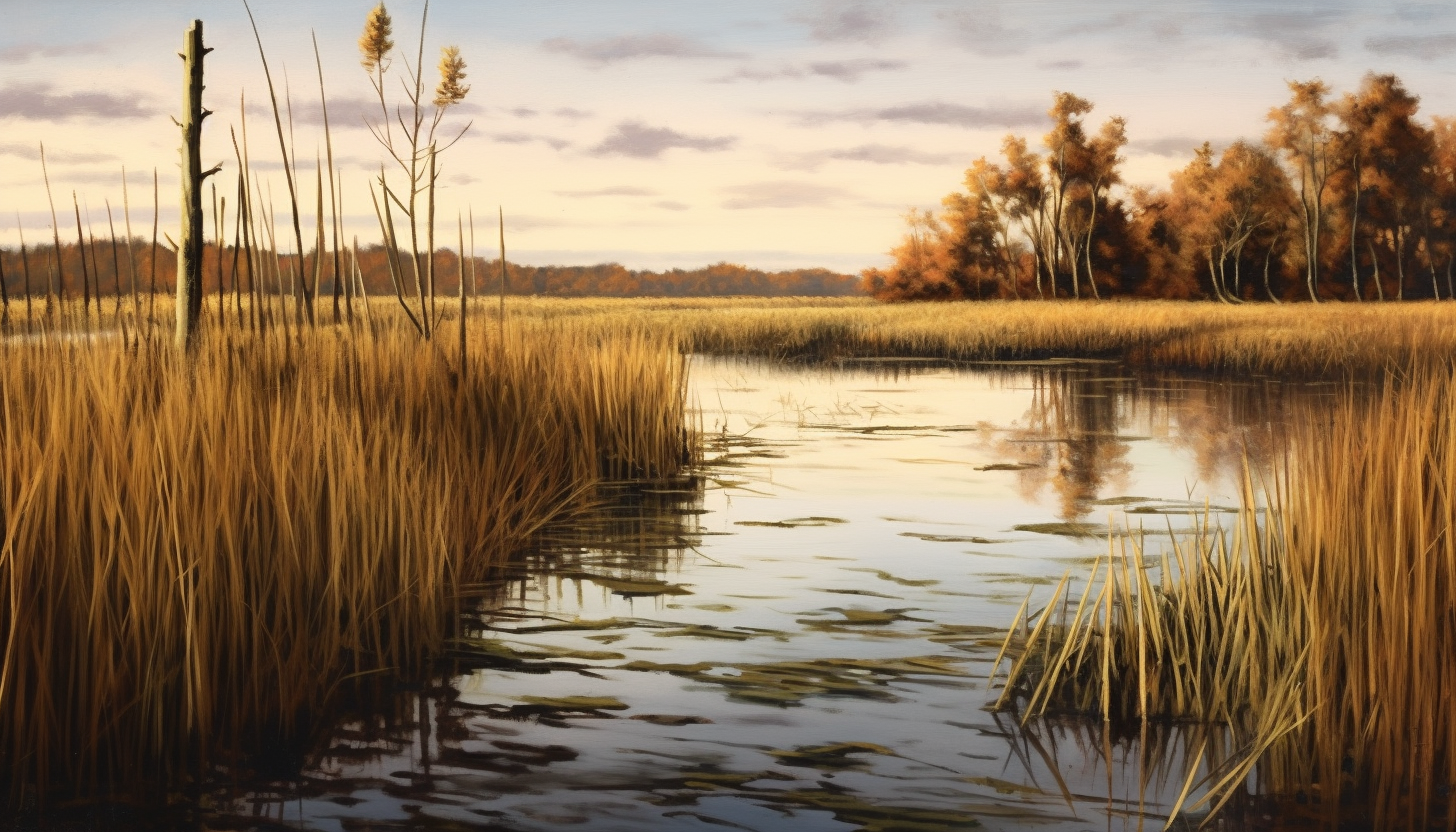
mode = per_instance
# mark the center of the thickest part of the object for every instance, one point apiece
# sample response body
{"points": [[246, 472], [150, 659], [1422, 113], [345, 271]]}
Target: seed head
{"points": [[375, 44], [452, 72]]}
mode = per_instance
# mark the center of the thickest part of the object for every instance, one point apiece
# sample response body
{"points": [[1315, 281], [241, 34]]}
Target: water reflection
{"points": [[799, 635]]}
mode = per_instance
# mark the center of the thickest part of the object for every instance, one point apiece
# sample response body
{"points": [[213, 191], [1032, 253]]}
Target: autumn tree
{"points": [[1301, 131]]}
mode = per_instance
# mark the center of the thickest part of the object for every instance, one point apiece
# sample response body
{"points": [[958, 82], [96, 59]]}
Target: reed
{"points": [[198, 550], [1329, 339], [1320, 631]]}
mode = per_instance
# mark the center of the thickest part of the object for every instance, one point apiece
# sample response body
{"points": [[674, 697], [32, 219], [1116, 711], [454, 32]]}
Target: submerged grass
{"points": [[1321, 633], [197, 551]]}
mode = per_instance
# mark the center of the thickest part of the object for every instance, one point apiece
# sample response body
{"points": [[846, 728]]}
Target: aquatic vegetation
{"points": [[1318, 631]]}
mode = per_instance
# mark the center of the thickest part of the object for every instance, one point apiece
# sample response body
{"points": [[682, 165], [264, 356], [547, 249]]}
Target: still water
{"points": [[799, 635]]}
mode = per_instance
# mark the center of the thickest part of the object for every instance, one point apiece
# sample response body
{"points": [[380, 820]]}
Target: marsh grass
{"points": [[1287, 339], [1319, 631], [198, 551]]}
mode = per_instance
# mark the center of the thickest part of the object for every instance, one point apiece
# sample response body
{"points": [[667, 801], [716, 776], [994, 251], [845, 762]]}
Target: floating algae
{"points": [[789, 683], [886, 576], [833, 757], [1064, 529], [645, 588], [793, 523]]}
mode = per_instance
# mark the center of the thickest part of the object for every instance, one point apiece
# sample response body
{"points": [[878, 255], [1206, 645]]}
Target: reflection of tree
{"points": [[1073, 425], [1068, 436]]}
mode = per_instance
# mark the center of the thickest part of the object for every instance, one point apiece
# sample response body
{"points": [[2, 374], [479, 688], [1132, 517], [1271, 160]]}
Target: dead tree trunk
{"points": [[189, 249]]}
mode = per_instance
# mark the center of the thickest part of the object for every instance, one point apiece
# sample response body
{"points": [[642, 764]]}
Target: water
{"points": [[799, 636]]}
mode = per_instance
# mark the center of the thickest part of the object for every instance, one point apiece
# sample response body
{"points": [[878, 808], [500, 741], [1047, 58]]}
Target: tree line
{"points": [[110, 267], [1350, 198]]}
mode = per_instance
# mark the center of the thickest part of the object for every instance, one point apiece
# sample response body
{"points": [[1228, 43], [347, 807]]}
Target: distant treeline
{"points": [[156, 268], [1344, 198]]}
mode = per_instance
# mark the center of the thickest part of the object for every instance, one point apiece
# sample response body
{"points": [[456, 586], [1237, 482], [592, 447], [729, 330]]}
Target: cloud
{"points": [[522, 112], [981, 31], [37, 102], [1060, 65], [32, 152], [838, 22], [527, 138], [1296, 34], [571, 112], [635, 139], [670, 205], [783, 194], [632, 47], [615, 190], [1172, 146], [937, 113], [1425, 47], [346, 113], [877, 154], [22, 53], [848, 71]]}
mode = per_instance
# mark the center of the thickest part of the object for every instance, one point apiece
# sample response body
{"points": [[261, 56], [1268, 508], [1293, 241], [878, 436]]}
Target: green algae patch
{"points": [[646, 588], [886, 576], [788, 683], [950, 538], [794, 523], [672, 720], [1064, 529], [832, 757], [535, 652], [721, 633], [1009, 466], [581, 704]]}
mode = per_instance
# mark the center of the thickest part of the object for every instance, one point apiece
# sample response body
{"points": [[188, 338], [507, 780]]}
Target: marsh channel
{"points": [[798, 634]]}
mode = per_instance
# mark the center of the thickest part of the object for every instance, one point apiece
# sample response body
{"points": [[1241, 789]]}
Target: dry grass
{"points": [[198, 553], [1323, 634], [1304, 339]]}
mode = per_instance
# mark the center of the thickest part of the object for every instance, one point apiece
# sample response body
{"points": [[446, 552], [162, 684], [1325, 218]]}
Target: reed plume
{"points": [[452, 72], [375, 44]]}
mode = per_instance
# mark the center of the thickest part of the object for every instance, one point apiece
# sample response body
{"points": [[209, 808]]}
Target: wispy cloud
{"points": [[982, 31], [671, 205], [1299, 35], [22, 53], [347, 112], [877, 154], [848, 71], [783, 194], [614, 190], [936, 113], [838, 22], [528, 138], [1425, 47], [1171, 146], [571, 112], [637, 140], [39, 102], [32, 152], [633, 47]]}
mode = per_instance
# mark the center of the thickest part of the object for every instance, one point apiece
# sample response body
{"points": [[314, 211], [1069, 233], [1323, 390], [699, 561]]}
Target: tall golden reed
{"points": [[198, 550], [1322, 634]]}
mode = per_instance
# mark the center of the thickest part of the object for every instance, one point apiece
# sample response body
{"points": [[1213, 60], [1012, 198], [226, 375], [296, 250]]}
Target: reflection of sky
{"points": [[674, 133]]}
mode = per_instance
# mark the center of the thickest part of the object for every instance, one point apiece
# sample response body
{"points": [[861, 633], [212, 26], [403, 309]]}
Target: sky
{"points": [[669, 133]]}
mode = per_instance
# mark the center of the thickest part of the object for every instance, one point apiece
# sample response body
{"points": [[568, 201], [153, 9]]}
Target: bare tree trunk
{"points": [[1375, 263], [1354, 225], [1399, 240], [1267, 255], [189, 248]]}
